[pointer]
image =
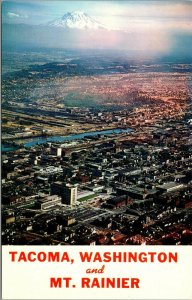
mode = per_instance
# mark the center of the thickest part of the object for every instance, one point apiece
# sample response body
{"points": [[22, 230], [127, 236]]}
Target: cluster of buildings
{"points": [[132, 188]]}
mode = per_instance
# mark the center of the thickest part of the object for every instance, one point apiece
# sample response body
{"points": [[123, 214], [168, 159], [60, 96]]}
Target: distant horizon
{"points": [[132, 55]]}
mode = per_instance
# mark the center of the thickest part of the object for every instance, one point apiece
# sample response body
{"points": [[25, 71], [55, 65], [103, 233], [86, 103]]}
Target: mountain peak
{"points": [[76, 20]]}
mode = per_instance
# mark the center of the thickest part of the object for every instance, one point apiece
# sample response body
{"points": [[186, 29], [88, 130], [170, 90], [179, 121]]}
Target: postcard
{"points": [[96, 149]]}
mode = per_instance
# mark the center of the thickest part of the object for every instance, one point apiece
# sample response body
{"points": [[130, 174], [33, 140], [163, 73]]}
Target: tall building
{"points": [[67, 192], [56, 151]]}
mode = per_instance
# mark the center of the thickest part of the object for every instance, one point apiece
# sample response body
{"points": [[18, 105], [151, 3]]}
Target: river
{"points": [[58, 138]]}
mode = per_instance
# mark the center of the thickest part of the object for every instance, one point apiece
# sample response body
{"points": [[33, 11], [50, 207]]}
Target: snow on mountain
{"points": [[76, 20]]}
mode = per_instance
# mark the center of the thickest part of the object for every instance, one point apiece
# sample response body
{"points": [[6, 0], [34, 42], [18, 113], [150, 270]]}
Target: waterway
{"points": [[59, 138]]}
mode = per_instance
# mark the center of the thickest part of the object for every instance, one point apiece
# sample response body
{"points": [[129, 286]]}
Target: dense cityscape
{"points": [[96, 175]]}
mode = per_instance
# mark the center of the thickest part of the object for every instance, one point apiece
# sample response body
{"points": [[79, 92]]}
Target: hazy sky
{"points": [[154, 24], [176, 15]]}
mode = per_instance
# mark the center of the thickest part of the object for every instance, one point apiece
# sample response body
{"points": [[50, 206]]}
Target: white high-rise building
{"points": [[67, 192]]}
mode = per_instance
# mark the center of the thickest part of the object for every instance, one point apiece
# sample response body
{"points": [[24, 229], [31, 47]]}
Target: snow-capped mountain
{"points": [[76, 20]]}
